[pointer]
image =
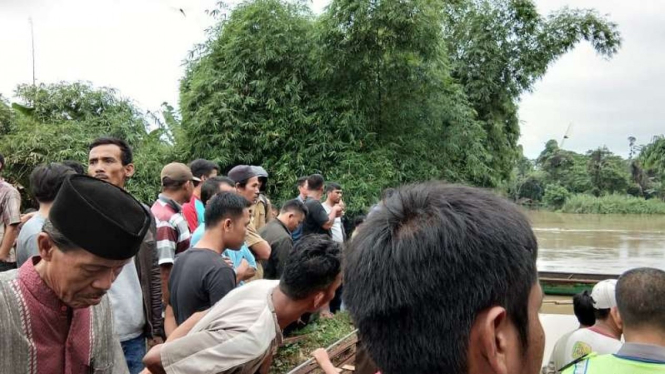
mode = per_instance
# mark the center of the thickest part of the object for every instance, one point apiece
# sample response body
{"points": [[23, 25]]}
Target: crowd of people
{"points": [[438, 278]]}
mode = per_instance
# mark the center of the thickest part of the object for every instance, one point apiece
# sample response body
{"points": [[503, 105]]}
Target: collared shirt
{"points": [[642, 352], [194, 211], [10, 210], [281, 242], [173, 233], [52, 337], [236, 336]]}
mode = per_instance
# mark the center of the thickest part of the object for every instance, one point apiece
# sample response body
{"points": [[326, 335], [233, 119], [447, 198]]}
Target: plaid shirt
{"points": [[10, 210], [172, 230]]}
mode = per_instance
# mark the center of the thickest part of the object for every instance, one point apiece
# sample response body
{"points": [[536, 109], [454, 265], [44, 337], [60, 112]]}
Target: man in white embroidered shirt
{"points": [[241, 332]]}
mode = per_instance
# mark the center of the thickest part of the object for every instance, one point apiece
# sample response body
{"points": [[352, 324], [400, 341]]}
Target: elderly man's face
{"points": [[79, 278]]}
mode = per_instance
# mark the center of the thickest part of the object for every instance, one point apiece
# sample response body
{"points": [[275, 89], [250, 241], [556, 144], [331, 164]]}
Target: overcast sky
{"points": [[138, 46]]}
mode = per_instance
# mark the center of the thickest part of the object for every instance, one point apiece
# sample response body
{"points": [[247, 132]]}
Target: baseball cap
{"points": [[177, 172], [241, 173], [603, 294]]}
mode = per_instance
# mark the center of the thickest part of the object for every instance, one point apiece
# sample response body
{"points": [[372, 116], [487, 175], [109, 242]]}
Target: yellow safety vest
{"points": [[611, 364]]}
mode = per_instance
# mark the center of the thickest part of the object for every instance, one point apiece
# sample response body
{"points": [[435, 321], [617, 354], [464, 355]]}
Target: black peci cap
{"points": [[99, 217]]}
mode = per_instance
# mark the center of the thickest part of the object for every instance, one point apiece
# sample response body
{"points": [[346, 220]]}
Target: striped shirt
{"points": [[172, 230]]}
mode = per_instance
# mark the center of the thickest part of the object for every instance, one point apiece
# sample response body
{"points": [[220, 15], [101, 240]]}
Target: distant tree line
{"points": [[371, 93]]}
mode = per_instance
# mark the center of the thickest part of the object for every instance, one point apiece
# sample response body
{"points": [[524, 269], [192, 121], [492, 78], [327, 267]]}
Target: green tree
{"points": [[57, 122], [608, 172], [499, 49]]}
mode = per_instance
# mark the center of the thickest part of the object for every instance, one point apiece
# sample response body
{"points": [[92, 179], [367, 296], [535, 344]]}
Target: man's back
{"points": [[199, 279], [236, 335], [585, 341], [281, 242], [615, 364], [26, 243]]}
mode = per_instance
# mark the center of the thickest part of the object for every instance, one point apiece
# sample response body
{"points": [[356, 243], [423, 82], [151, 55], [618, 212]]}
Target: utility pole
{"points": [[32, 36]]}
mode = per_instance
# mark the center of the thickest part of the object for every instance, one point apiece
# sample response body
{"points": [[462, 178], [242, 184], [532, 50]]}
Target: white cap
{"points": [[603, 294]]}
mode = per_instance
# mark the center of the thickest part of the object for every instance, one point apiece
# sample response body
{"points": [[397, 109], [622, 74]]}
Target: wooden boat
{"points": [[342, 354], [569, 284]]}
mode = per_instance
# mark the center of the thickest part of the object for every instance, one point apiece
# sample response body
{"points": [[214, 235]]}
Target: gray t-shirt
{"points": [[26, 243], [199, 279]]}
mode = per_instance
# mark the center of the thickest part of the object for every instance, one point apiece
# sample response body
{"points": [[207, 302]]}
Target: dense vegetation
{"points": [[371, 93], [596, 182]]}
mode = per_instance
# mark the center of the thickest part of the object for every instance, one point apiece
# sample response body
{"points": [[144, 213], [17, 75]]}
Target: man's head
{"points": [[227, 214], [80, 265], [46, 180], [214, 185], [583, 308], [177, 182], [247, 182], [455, 267], [301, 183], [605, 303], [202, 170], [292, 214], [75, 165], [110, 159], [333, 192], [262, 174], [2, 163], [387, 193], [315, 184], [312, 272], [640, 295]]}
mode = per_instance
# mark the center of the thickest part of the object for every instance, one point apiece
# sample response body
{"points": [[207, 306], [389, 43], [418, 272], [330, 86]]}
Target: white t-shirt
{"points": [[336, 229], [558, 356], [585, 341]]}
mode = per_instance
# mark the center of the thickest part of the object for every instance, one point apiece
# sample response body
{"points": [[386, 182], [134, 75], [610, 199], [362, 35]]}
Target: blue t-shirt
{"points": [[200, 211], [235, 256]]}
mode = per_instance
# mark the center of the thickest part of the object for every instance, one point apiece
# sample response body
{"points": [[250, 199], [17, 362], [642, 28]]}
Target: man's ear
{"points": [[227, 224], [317, 301], [490, 341], [129, 170], [614, 312], [45, 246]]}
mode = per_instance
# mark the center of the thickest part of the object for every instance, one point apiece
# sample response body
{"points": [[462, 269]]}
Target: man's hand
{"points": [[338, 210], [154, 341], [244, 271], [228, 261]]}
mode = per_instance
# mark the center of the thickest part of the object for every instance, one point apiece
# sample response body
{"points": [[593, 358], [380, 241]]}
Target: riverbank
{"points": [[612, 204]]}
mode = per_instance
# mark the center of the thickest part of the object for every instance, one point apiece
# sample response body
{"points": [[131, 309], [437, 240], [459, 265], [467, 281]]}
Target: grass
{"points": [[612, 204], [320, 334]]}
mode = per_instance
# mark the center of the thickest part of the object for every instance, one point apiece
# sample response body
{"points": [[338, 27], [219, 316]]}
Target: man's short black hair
{"points": [[312, 266], [601, 314], [640, 297], [224, 205], [126, 155], [201, 168], [583, 307], [332, 186], [301, 181], [315, 182], [2, 162], [428, 264], [75, 165], [211, 187], [46, 180], [294, 205]]}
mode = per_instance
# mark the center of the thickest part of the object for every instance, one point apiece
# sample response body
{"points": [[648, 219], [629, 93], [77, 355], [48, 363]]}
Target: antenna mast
{"points": [[32, 36]]}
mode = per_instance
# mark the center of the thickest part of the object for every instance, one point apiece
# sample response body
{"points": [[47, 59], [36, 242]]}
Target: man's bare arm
{"points": [[11, 232], [165, 272]]}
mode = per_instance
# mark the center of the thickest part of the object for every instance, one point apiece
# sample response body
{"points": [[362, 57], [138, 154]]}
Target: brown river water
{"points": [[595, 243]]}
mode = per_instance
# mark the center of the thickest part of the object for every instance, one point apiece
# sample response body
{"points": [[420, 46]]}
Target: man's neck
{"points": [[175, 197], [316, 195], [645, 336], [607, 328], [197, 192], [44, 209], [212, 242], [287, 310], [330, 203]]}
